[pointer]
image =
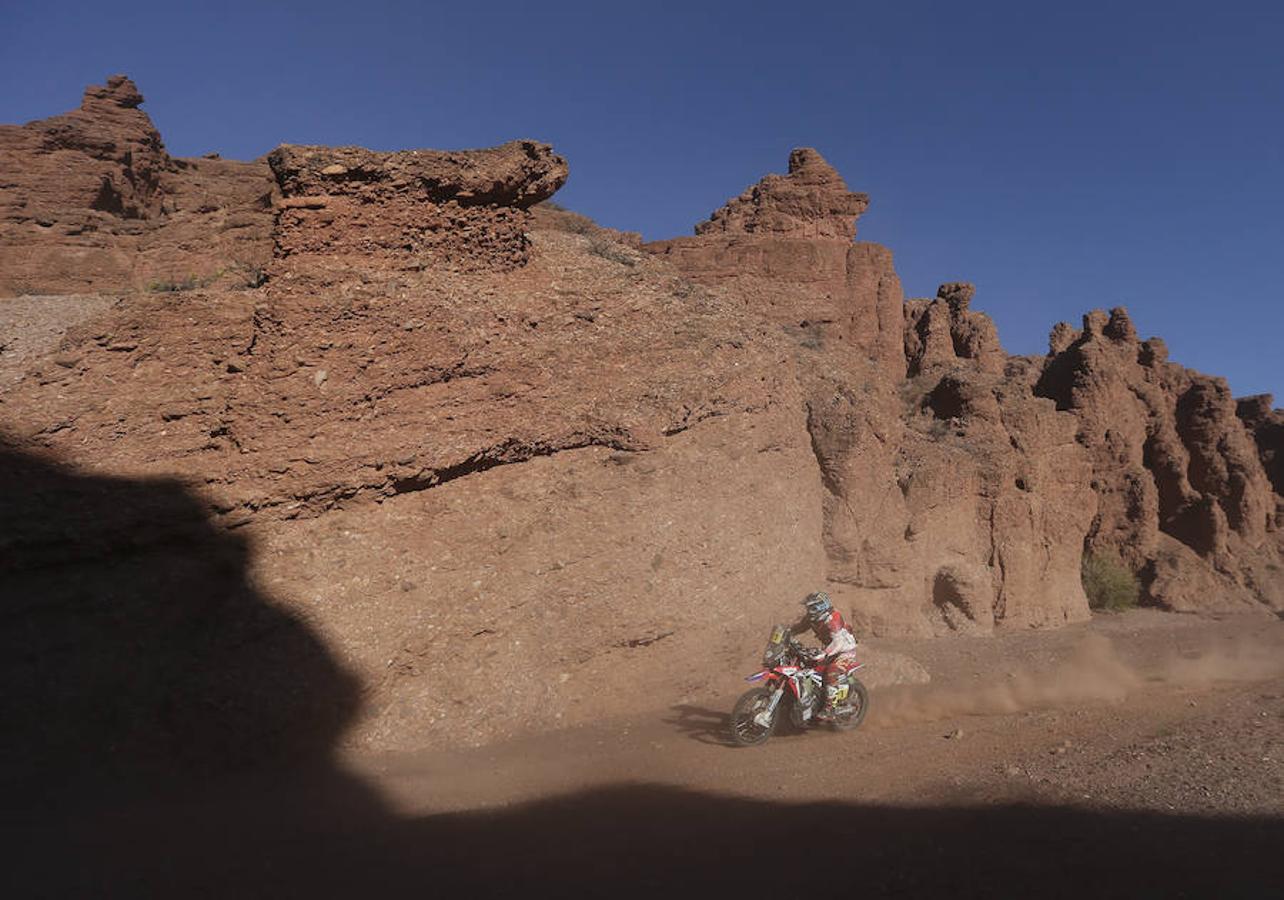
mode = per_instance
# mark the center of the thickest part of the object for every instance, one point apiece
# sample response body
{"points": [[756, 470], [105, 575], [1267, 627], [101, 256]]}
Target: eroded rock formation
{"points": [[450, 428], [932, 518], [812, 201], [944, 331], [416, 208], [571, 456], [1182, 493], [1266, 425], [90, 201], [785, 245]]}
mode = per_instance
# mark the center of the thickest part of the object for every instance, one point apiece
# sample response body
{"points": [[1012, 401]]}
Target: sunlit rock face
{"points": [[90, 201]]}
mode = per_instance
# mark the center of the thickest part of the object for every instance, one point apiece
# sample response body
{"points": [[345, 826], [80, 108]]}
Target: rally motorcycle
{"points": [[792, 686]]}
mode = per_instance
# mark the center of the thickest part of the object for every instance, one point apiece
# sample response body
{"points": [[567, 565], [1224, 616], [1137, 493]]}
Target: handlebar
{"points": [[797, 650]]}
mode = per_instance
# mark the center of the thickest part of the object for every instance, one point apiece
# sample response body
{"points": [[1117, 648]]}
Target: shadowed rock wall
{"points": [[459, 430]]}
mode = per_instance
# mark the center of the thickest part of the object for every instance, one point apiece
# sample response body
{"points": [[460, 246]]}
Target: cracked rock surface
{"points": [[450, 424]]}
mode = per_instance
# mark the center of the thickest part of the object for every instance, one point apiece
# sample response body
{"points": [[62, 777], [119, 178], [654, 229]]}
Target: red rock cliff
{"points": [[91, 201], [444, 410], [941, 512]]}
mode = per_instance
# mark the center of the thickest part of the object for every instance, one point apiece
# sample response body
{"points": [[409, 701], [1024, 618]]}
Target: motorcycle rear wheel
{"points": [[744, 730], [852, 712]]}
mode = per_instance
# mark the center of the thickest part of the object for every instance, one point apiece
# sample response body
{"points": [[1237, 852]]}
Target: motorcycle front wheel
{"points": [[853, 710], [744, 730]]}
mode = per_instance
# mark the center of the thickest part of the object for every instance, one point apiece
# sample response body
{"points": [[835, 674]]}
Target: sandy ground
{"points": [[1138, 755], [1143, 711]]}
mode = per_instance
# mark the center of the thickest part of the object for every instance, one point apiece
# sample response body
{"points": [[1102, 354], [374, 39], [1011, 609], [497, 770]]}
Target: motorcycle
{"points": [[793, 687]]}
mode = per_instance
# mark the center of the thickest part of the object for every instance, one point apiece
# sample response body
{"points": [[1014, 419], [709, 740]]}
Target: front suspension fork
{"points": [[764, 718]]}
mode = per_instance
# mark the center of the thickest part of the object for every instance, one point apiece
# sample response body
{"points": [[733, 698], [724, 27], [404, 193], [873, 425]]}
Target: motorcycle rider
{"points": [[838, 657]]}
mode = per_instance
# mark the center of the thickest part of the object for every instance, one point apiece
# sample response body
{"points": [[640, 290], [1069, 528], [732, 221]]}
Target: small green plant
{"points": [[600, 246], [913, 390], [190, 283], [255, 276], [574, 223], [1108, 583]]}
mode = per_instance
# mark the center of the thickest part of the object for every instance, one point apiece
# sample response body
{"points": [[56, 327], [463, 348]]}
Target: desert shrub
{"points": [[559, 218], [190, 283], [913, 391], [577, 224], [1108, 583], [255, 275], [938, 429], [600, 246], [810, 335]]}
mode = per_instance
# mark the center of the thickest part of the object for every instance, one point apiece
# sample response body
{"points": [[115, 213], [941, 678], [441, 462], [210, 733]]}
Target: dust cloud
{"points": [[1094, 671]]}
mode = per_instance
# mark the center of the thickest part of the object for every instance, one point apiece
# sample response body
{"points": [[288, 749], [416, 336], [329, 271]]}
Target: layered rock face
{"points": [[960, 498], [90, 201], [785, 245], [450, 430], [416, 208], [953, 501], [1183, 495], [557, 453]]}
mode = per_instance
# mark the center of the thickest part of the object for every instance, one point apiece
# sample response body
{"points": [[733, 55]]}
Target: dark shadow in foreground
{"points": [[637, 840], [134, 645], [145, 678]]}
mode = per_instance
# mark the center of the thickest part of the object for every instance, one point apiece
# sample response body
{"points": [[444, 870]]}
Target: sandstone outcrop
{"points": [[932, 520], [569, 457], [812, 201], [453, 426], [1182, 493], [90, 201], [785, 245], [943, 331], [415, 208], [1266, 425]]}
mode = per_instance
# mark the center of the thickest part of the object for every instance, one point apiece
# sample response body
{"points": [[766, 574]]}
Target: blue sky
{"points": [[1061, 156]]}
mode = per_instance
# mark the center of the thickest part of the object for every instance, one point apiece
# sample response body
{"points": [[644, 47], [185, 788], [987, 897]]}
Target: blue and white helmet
{"points": [[818, 606]]}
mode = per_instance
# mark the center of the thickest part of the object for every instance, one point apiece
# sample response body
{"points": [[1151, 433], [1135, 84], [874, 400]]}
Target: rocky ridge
{"points": [[954, 498], [1183, 495], [417, 208], [455, 424], [90, 201], [1000, 492]]}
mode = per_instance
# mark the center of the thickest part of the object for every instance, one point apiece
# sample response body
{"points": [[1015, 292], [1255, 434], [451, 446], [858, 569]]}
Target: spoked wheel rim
{"points": [[746, 731]]}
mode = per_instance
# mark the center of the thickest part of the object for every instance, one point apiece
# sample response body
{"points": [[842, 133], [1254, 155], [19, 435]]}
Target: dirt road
{"points": [[1146, 711], [1141, 755]]}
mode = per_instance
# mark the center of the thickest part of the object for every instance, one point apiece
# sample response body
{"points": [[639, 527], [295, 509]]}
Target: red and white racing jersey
{"points": [[832, 632]]}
